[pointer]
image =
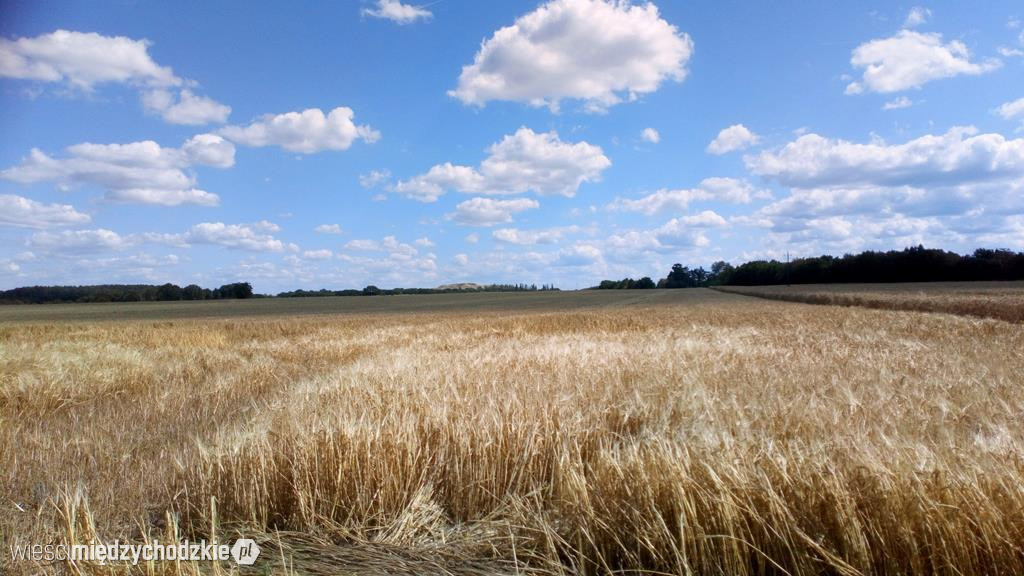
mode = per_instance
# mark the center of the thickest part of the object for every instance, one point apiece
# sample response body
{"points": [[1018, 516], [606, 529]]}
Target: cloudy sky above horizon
{"points": [[336, 145]]}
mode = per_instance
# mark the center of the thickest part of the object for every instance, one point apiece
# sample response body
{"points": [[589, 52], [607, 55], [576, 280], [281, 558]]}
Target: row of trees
{"points": [[167, 292], [678, 277], [644, 283], [915, 264], [372, 290], [123, 293]]}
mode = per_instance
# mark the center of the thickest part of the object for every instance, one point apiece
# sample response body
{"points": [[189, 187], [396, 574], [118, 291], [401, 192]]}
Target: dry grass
{"points": [[1002, 300], [700, 433]]}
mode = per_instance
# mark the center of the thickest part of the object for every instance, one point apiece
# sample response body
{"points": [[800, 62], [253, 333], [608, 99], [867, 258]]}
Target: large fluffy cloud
{"points": [[735, 137], [84, 60], [142, 172], [428, 187], [489, 211], [78, 241], [959, 156], [911, 59], [669, 237], [593, 50], [23, 212], [710, 189], [397, 12], [209, 150], [306, 132], [187, 108], [520, 162], [252, 237], [949, 189]]}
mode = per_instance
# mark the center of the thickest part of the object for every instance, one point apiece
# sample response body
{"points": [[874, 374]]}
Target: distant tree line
{"points": [[123, 293], [644, 283], [165, 292], [678, 277], [372, 290], [914, 264]]}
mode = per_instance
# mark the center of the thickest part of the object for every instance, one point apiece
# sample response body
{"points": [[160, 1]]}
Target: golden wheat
{"points": [[703, 433], [1002, 300]]}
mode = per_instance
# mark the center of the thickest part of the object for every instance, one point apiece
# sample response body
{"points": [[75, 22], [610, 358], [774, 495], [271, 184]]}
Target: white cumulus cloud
{"points": [[209, 150], [188, 108], [520, 162], [164, 197], [490, 211], [579, 255], [389, 259], [630, 51], [911, 59], [78, 241], [323, 254], [374, 178], [705, 219], [669, 237], [142, 172], [650, 135], [935, 189], [710, 189], [254, 237], [239, 236], [397, 12], [305, 132], [84, 60], [735, 137], [1012, 111], [959, 156], [23, 212], [430, 186], [531, 237], [898, 103]]}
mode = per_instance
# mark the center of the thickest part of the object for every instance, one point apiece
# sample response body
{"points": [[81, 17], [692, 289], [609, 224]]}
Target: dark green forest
{"points": [[915, 264], [123, 293]]}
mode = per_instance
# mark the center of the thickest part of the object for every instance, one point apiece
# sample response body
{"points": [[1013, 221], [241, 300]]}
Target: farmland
{"points": [[674, 431], [1003, 300]]}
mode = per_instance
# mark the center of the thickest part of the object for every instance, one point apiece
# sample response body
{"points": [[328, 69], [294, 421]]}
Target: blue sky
{"points": [[316, 144]]}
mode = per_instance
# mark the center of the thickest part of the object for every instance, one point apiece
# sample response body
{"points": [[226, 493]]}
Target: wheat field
{"points": [[678, 432], [1002, 300]]}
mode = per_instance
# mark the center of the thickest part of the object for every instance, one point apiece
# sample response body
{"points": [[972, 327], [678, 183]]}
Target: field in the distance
{"points": [[682, 431], [347, 305], [1003, 300]]}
